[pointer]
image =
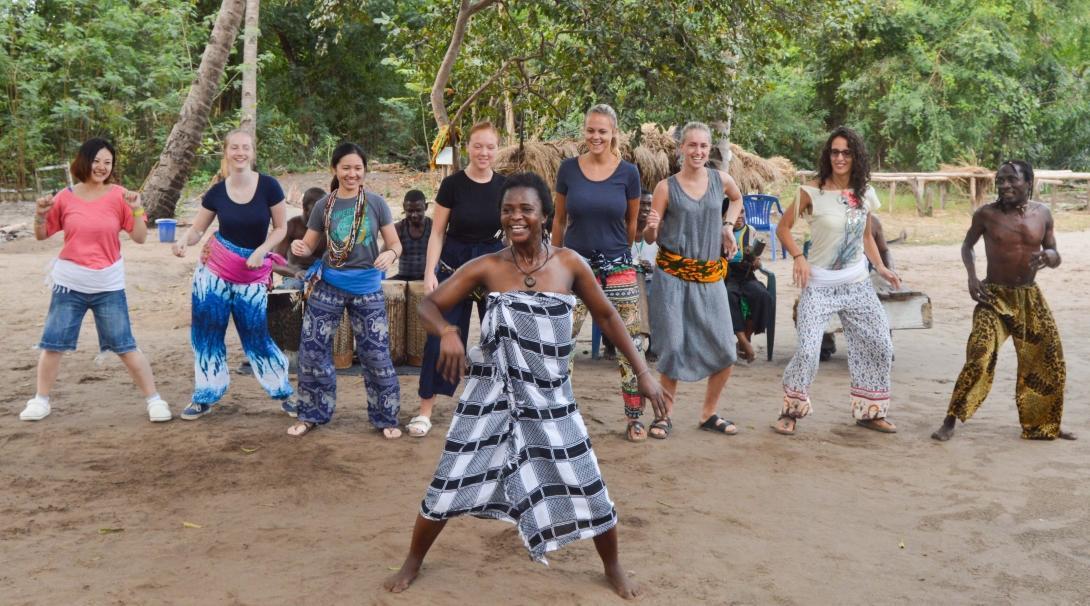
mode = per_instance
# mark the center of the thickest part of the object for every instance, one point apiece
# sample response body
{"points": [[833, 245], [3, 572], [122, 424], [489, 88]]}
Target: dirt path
{"points": [[835, 515]]}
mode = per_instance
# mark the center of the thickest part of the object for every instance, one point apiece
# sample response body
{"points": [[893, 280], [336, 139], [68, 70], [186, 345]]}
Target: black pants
{"points": [[758, 299]]}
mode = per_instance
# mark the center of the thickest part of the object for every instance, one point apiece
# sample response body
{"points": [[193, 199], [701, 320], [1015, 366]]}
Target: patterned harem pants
{"points": [[870, 348], [317, 375], [623, 292], [1020, 313]]}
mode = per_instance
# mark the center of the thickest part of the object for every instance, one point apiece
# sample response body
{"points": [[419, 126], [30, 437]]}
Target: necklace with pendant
{"points": [[528, 278]]}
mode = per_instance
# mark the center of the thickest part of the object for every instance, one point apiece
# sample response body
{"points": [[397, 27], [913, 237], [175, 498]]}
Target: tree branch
{"points": [[480, 89]]}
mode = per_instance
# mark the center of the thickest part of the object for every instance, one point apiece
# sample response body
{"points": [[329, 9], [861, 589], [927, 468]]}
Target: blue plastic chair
{"points": [[759, 217]]}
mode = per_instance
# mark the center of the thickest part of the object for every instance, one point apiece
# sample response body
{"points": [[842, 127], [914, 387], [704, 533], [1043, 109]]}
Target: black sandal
{"points": [[712, 424], [663, 425]]}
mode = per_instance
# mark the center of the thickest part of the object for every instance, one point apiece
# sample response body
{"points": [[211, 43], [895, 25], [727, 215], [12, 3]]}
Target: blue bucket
{"points": [[166, 229]]}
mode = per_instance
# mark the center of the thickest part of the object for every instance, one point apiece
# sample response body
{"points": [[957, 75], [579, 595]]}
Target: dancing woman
{"points": [[517, 448], [90, 274], [834, 279], [350, 275], [233, 276], [597, 208]]}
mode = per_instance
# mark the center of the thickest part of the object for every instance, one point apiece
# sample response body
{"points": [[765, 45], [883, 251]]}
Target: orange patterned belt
{"points": [[691, 270]]}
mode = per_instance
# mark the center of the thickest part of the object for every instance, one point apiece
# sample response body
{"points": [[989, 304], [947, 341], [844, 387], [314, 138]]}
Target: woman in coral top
{"points": [[90, 274]]}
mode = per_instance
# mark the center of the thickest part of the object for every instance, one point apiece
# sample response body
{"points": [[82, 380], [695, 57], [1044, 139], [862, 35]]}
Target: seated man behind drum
{"points": [[297, 266], [414, 231]]}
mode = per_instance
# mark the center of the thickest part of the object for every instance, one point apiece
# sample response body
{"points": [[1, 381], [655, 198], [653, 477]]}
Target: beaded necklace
{"points": [[339, 251]]}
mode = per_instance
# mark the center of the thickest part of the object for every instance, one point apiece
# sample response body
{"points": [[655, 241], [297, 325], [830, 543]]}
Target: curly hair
{"points": [[860, 175], [531, 181]]}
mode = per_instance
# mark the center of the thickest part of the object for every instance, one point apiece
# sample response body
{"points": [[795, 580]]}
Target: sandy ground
{"points": [[835, 515]]}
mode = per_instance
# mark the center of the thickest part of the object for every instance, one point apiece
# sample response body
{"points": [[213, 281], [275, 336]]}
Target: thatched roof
{"points": [[655, 156]]}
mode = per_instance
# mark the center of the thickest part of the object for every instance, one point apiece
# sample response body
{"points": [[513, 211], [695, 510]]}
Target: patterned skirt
{"points": [[518, 449]]}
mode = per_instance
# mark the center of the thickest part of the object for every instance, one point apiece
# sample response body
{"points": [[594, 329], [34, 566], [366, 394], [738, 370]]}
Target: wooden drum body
{"points": [[416, 336], [344, 343], [285, 318], [394, 291]]}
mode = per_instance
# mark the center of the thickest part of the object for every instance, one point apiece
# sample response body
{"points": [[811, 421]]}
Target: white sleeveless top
{"points": [[837, 223]]}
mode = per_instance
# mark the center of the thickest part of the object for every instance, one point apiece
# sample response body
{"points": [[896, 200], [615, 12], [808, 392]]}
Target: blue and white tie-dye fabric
{"points": [[215, 301]]}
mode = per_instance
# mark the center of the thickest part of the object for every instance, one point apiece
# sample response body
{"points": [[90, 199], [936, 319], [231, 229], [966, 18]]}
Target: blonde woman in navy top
{"points": [[597, 205]]}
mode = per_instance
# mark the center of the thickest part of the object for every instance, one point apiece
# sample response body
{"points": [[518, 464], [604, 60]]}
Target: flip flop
{"points": [[301, 428], [712, 425], [391, 429], [419, 426], [869, 424], [635, 428], [785, 432]]}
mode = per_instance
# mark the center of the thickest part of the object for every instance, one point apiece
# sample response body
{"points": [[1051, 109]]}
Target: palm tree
{"points": [[163, 185]]}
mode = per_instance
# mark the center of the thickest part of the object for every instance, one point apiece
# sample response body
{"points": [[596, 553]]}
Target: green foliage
{"points": [[927, 81], [73, 69]]}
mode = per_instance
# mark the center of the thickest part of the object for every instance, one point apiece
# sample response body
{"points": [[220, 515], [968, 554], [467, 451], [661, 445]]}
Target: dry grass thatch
{"points": [[655, 156]]}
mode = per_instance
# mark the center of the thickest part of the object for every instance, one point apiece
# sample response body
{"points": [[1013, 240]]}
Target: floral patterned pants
{"points": [[870, 348], [623, 292]]}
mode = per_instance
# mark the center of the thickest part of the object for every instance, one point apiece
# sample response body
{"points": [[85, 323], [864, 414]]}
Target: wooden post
{"points": [[972, 193], [917, 190], [893, 195], [942, 194]]}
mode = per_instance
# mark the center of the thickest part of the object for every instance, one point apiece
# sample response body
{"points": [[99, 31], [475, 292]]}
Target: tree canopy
{"points": [[927, 82]]}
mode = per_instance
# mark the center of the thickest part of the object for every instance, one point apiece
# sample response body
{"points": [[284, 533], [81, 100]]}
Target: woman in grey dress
{"points": [[690, 310]]}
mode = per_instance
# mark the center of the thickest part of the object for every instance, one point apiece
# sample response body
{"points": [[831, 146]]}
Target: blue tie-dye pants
{"points": [[215, 301]]}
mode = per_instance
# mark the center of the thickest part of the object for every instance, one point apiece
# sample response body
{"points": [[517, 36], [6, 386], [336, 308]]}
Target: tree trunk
{"points": [[442, 77], [720, 156], [509, 117], [163, 185], [250, 33]]}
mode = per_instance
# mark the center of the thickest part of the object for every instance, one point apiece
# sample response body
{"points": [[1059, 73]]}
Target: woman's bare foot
{"points": [[625, 587], [396, 583]]}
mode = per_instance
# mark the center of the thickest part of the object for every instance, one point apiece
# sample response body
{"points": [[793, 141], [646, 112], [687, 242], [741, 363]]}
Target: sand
{"points": [[834, 515]]}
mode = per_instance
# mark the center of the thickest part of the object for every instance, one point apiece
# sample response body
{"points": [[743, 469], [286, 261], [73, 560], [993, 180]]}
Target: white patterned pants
{"points": [[870, 348]]}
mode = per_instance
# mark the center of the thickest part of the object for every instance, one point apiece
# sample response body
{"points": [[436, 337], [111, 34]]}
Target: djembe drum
{"points": [[285, 318], [394, 291], [344, 343], [416, 336]]}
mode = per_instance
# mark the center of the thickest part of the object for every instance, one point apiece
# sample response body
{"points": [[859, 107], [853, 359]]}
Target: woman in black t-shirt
{"points": [[465, 226]]}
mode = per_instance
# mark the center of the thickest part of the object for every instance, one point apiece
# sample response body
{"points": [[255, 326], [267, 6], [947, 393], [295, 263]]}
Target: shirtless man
{"points": [[297, 266], [1018, 241]]}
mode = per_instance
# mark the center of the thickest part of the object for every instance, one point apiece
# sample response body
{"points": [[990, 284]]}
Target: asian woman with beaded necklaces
{"points": [[233, 276], [349, 275], [90, 274]]}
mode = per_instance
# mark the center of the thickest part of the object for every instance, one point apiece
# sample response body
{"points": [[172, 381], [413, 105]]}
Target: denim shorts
{"points": [[66, 311]]}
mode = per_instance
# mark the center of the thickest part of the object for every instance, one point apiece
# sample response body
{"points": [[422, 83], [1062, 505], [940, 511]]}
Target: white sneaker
{"points": [[36, 409], [158, 411]]}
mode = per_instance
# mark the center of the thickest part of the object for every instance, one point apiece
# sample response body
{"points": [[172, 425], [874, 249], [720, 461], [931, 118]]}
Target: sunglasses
{"points": [[844, 153]]}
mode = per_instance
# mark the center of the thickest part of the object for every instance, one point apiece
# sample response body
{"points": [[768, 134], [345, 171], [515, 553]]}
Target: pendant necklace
{"points": [[528, 278]]}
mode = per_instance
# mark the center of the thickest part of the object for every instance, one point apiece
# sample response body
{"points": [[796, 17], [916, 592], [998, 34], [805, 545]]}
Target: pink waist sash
{"points": [[228, 261]]}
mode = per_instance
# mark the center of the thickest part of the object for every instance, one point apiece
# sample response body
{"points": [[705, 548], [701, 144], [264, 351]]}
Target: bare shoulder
{"points": [[568, 257], [1040, 208]]}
